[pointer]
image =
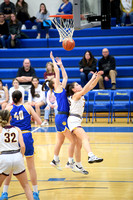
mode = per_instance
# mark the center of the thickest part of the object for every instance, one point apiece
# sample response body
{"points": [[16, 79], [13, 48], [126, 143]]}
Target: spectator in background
{"points": [[115, 10], [22, 12], [127, 10], [49, 74], [41, 16], [87, 67], [51, 104], [36, 95], [14, 31], [107, 64], [4, 32], [49, 71], [16, 86], [65, 7], [7, 8], [3, 95], [25, 74]]}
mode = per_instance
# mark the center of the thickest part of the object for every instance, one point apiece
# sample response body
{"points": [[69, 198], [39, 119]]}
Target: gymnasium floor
{"points": [[110, 180]]}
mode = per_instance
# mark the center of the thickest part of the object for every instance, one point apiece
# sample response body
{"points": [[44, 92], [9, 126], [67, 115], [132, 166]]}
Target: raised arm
{"points": [[57, 73], [89, 86], [64, 74]]}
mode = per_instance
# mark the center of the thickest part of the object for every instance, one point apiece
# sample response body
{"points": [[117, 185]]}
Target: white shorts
{"points": [[11, 163], [74, 122]]}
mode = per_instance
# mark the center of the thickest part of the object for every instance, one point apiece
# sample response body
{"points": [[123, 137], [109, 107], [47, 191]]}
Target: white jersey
{"points": [[39, 95], [12, 89], [2, 95], [9, 139], [77, 107]]}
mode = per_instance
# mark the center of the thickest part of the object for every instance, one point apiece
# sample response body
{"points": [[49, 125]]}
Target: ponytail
{"points": [[4, 117]]}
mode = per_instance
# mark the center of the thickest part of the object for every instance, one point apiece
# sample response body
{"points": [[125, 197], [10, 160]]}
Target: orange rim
{"points": [[63, 16]]}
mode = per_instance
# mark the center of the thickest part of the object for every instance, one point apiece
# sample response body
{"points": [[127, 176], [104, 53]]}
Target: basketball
{"points": [[68, 44]]}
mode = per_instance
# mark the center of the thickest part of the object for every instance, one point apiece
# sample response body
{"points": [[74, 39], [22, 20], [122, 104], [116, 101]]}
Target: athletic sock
{"points": [[56, 158], [35, 188], [5, 188], [70, 160]]}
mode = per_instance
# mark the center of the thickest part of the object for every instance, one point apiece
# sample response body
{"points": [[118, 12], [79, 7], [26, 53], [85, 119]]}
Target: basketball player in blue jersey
{"points": [[12, 150], [63, 112], [21, 117], [62, 116]]}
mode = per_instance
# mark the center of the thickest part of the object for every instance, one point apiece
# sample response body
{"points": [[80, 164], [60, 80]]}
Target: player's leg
{"points": [[33, 175], [59, 141], [4, 194], [24, 183], [82, 135]]}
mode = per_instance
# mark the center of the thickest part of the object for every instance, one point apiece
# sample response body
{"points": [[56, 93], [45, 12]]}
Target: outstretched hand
{"points": [[101, 72], [59, 62], [51, 55]]}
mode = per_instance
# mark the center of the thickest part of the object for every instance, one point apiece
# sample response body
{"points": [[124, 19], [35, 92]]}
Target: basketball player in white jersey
{"points": [[77, 102], [11, 154]]}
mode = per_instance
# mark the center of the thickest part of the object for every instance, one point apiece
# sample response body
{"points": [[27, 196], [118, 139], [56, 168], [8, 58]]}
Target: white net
{"points": [[65, 27]]}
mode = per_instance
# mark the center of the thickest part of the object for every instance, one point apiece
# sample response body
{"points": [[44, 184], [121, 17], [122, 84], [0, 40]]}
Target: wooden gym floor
{"points": [[112, 179]]}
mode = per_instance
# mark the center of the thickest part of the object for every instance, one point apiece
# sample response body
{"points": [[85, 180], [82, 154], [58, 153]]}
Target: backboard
{"points": [[84, 11]]}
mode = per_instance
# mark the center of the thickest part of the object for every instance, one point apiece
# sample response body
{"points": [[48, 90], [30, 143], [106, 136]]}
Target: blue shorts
{"points": [[28, 141], [61, 122]]}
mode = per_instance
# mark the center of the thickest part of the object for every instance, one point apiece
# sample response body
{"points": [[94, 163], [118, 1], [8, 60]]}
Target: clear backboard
{"points": [[86, 13]]}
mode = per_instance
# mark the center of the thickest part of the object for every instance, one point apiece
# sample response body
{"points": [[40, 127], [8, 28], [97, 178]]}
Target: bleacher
{"points": [[119, 41]]}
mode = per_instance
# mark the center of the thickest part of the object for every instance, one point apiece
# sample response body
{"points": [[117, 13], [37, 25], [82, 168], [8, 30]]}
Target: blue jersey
{"points": [[62, 101], [20, 118]]}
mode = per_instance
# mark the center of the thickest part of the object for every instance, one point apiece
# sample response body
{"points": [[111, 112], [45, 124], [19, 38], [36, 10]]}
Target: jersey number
{"points": [[10, 137], [20, 115]]}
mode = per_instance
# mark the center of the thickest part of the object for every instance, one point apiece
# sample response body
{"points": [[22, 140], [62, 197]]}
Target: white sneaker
{"points": [[70, 165], [94, 158], [23, 27], [45, 123], [56, 164], [80, 170]]}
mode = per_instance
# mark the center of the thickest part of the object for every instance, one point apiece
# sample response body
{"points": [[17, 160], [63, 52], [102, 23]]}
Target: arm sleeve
{"points": [[112, 64], [68, 8], [94, 65]]}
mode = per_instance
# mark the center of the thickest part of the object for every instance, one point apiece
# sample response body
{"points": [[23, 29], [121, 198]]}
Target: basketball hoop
{"points": [[64, 24]]}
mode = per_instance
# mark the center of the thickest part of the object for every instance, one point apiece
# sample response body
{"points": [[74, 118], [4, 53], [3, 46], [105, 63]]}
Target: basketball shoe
{"points": [[94, 158], [56, 164], [70, 165], [80, 170], [36, 195], [4, 196]]}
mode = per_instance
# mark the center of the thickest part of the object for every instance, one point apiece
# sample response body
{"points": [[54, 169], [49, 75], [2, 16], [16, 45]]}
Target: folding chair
{"points": [[102, 102], [121, 102], [87, 108]]}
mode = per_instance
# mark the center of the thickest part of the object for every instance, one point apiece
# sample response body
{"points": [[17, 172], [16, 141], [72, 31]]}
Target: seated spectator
{"points": [[15, 32], [51, 105], [65, 7], [49, 73], [4, 32], [41, 16], [127, 10], [115, 10], [16, 86], [25, 74], [36, 95], [3, 96], [22, 12], [7, 8], [87, 67], [107, 64]]}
